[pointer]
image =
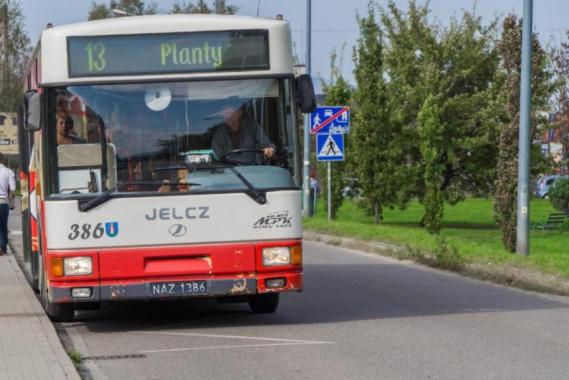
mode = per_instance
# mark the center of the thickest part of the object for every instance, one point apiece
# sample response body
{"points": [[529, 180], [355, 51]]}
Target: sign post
{"points": [[329, 191], [330, 147], [330, 124]]}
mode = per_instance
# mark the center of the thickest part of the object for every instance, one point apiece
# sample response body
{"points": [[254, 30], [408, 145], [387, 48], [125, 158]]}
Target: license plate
{"points": [[178, 289]]}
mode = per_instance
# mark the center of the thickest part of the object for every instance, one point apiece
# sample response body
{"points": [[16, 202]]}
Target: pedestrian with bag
{"points": [[7, 188]]}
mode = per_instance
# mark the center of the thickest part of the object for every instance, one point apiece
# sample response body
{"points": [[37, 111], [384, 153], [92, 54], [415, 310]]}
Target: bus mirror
{"points": [[305, 93], [32, 111]]}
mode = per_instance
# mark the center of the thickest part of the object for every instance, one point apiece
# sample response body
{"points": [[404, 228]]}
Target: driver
{"points": [[240, 131]]}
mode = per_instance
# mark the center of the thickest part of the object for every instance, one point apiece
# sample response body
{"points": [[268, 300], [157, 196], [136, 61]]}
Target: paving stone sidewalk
{"points": [[29, 345]]}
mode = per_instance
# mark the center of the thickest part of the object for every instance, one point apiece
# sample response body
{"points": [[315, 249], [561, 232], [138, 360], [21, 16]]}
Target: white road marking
{"points": [[231, 347], [294, 341]]}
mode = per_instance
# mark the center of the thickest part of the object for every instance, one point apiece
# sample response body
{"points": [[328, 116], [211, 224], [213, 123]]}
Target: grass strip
{"points": [[468, 227]]}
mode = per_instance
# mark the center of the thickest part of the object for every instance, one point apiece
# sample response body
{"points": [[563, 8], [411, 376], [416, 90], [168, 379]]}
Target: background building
{"points": [[8, 134]]}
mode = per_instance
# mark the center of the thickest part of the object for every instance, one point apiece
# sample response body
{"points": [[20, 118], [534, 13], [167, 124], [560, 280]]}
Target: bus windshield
{"points": [[172, 136]]}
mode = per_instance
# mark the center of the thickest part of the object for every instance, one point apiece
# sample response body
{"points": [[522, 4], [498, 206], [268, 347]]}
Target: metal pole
{"points": [[329, 191], [306, 166], [4, 46], [522, 242]]}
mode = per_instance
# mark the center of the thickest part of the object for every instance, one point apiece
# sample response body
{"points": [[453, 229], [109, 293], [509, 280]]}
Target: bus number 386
{"points": [[86, 231]]}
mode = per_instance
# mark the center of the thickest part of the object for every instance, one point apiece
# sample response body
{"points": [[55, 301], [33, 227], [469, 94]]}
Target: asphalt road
{"points": [[360, 317]]}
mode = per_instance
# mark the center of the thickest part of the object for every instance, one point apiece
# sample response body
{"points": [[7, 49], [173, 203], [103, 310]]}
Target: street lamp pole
{"points": [[306, 166], [522, 238]]}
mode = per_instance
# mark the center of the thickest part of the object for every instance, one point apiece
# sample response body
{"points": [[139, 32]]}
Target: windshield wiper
{"points": [[149, 183], [106, 195], [85, 206], [257, 195]]}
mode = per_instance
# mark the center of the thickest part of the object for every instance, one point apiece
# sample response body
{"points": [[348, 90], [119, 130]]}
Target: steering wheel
{"points": [[259, 156]]}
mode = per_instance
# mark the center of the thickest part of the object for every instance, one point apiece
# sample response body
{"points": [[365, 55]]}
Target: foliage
{"points": [[99, 12], [432, 147], [457, 65], [132, 7], [559, 195], [560, 58], [138, 7], [509, 46], [75, 357], [447, 255], [377, 158], [202, 7], [338, 93], [18, 51], [505, 196]]}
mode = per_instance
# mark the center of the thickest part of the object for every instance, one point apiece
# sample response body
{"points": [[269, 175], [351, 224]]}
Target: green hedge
{"points": [[559, 195]]}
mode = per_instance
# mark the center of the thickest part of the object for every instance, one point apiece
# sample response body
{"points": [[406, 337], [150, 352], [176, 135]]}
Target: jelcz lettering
{"points": [[178, 214]]}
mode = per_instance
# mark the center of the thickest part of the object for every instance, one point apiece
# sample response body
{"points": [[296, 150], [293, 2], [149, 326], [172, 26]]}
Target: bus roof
{"points": [[54, 44]]}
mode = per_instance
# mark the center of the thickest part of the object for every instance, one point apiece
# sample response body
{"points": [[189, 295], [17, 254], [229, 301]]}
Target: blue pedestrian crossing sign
{"points": [[330, 120], [330, 147]]}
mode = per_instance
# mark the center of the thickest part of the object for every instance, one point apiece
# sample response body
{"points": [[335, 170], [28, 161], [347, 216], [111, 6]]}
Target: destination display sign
{"points": [[140, 54]]}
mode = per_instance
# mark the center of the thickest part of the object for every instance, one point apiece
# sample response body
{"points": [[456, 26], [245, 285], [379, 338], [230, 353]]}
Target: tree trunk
{"points": [[376, 211]]}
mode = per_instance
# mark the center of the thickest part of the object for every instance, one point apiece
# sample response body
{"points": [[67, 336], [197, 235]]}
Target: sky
{"points": [[333, 21]]}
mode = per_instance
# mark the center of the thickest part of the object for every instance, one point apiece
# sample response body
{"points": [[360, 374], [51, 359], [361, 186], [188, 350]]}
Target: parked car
{"points": [[545, 183]]}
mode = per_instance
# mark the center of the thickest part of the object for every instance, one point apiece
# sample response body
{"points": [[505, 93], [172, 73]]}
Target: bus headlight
{"points": [[276, 256], [77, 266]]}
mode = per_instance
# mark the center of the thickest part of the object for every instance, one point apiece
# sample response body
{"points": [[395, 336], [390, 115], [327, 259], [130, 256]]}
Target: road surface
{"points": [[361, 316]]}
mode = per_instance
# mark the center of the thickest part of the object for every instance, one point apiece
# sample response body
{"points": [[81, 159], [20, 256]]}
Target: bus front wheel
{"points": [[264, 303], [56, 312]]}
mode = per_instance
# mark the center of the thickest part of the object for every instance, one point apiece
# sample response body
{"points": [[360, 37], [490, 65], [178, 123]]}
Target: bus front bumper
{"points": [[172, 289]]}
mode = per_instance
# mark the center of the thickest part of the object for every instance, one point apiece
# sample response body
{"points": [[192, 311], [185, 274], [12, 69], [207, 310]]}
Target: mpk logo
{"points": [[279, 219]]}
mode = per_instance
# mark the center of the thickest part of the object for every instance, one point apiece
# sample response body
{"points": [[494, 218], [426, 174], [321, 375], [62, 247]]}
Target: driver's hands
{"points": [[268, 152]]}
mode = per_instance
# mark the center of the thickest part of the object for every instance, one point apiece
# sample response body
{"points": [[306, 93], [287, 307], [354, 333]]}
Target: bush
{"points": [[447, 256], [559, 195]]}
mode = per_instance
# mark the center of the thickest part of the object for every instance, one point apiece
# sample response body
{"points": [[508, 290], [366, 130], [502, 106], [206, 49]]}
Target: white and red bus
{"points": [[126, 195]]}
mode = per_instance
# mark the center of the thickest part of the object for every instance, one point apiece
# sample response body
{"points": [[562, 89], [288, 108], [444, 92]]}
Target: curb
{"points": [[57, 350]]}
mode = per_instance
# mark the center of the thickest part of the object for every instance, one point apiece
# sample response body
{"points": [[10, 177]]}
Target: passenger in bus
{"points": [[64, 127], [95, 126], [240, 131], [126, 140]]}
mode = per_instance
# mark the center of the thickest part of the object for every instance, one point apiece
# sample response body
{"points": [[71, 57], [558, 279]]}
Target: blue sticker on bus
{"points": [[112, 229]]}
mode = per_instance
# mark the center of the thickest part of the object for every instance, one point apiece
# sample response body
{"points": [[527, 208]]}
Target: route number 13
{"points": [[96, 56]]}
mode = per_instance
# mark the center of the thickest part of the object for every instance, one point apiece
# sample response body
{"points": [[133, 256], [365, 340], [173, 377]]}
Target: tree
{"points": [[456, 68], [99, 12], [337, 93], [410, 46], [138, 7], [505, 197], [372, 135], [431, 131], [468, 71], [561, 94], [132, 7], [188, 7], [17, 51], [202, 7]]}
